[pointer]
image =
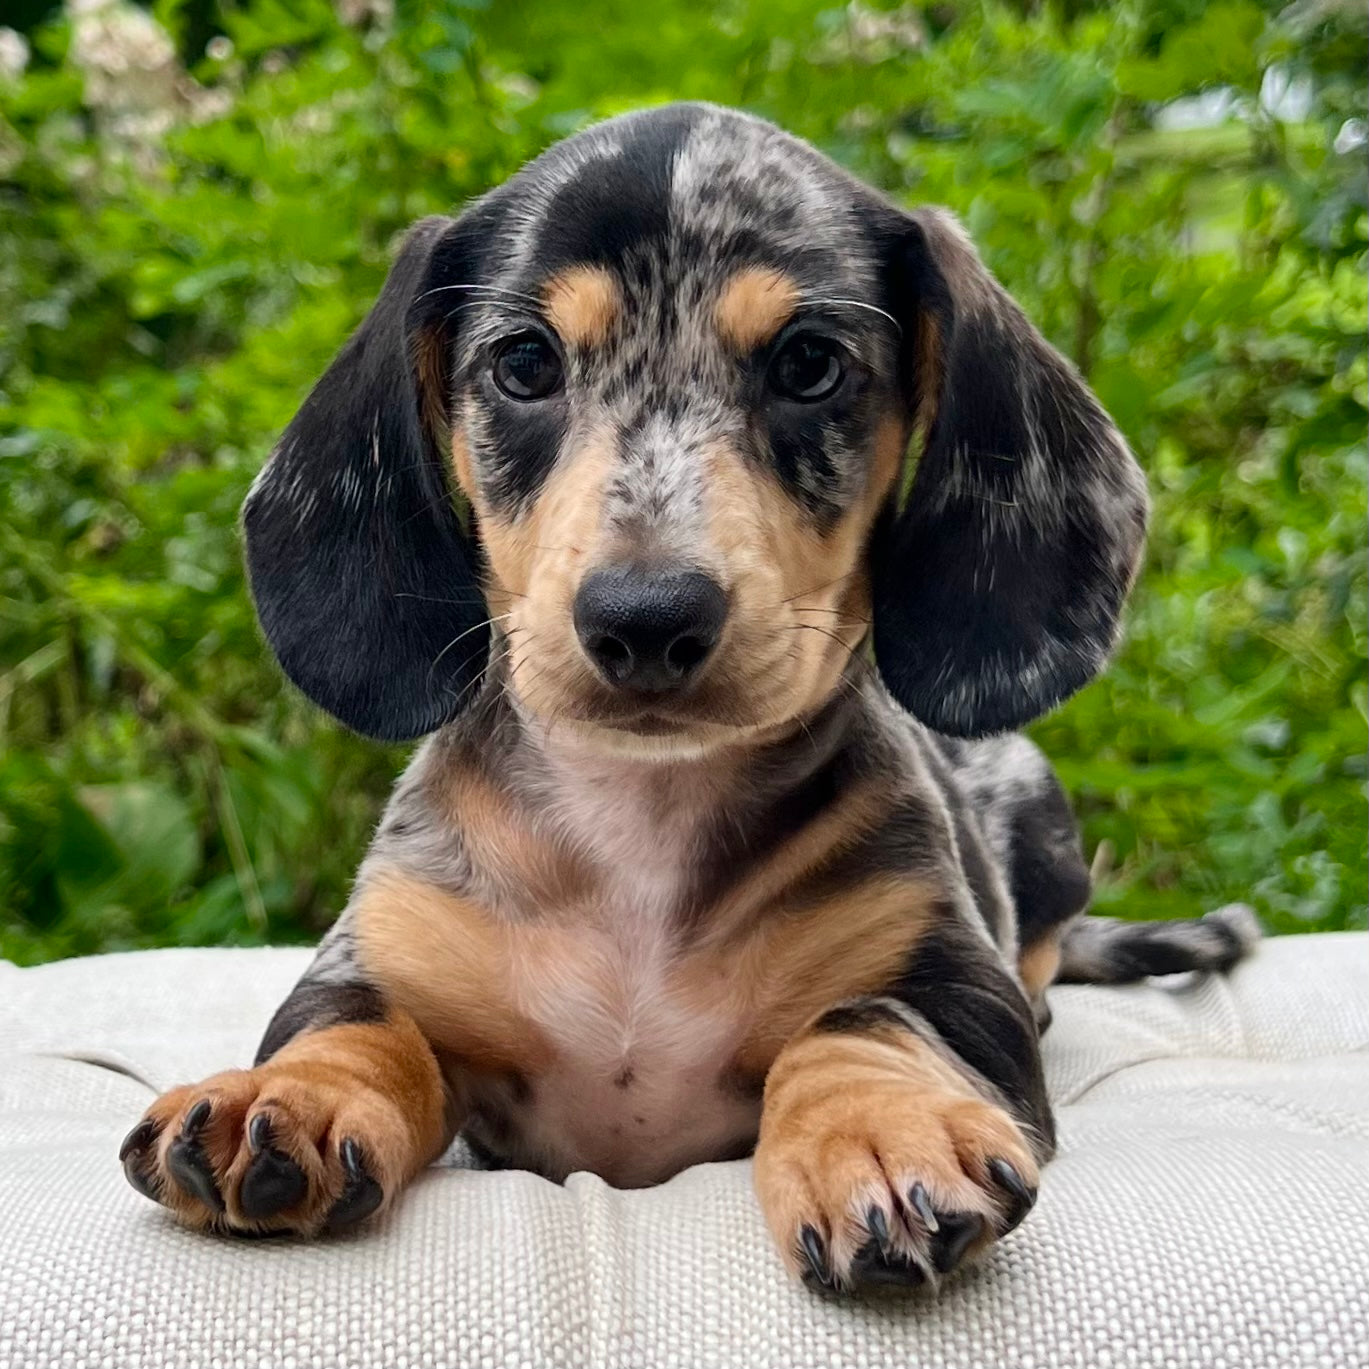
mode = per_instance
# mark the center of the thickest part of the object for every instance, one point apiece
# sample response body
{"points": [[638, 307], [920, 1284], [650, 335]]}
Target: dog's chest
{"points": [[642, 1032]]}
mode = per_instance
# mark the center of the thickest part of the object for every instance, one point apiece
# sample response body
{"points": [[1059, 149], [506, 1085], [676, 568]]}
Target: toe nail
{"points": [[140, 1181], [189, 1166], [878, 1224], [815, 1252], [139, 1138], [922, 1205], [1008, 1178], [361, 1196], [259, 1132], [196, 1118], [353, 1158]]}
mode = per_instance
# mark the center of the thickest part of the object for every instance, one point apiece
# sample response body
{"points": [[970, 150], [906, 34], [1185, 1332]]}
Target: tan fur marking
{"points": [[461, 464], [1039, 963], [504, 842], [851, 1121], [430, 364], [560, 528], [536, 563], [753, 306], [451, 966], [799, 963], [800, 596], [583, 303], [930, 373]]}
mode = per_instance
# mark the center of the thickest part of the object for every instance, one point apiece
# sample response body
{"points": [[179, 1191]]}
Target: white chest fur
{"points": [[642, 1036]]}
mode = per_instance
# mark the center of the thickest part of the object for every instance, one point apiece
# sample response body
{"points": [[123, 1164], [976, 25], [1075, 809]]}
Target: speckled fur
{"points": [[796, 902]]}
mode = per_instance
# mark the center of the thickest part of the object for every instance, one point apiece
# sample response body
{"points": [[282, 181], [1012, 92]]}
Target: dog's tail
{"points": [[1109, 950]]}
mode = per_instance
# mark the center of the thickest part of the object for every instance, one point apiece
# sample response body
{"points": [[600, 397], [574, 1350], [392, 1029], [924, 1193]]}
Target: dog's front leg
{"points": [[344, 1106], [902, 1132]]}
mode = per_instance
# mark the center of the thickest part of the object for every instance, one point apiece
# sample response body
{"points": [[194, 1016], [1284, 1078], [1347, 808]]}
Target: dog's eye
{"points": [[806, 368], [527, 367]]}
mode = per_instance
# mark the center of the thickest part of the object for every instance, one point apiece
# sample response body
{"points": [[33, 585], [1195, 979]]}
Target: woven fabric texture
{"points": [[1209, 1206]]}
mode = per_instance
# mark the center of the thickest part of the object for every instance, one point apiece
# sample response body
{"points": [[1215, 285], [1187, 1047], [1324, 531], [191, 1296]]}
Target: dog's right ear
{"points": [[364, 582]]}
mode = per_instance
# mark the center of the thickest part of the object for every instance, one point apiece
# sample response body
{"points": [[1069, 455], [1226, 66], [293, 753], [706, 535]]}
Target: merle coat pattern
{"points": [[721, 842]]}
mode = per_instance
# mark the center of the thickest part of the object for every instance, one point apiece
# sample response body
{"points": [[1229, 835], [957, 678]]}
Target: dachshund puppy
{"points": [[721, 842]]}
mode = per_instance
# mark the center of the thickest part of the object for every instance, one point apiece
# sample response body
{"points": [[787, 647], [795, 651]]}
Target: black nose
{"points": [[646, 630]]}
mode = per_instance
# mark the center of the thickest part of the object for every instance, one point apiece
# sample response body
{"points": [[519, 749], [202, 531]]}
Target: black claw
{"points": [[189, 1166], [362, 1194], [1024, 1198], [139, 1180], [922, 1205], [133, 1151], [195, 1119], [259, 1132], [878, 1225], [139, 1138], [273, 1182], [353, 1158], [187, 1162], [815, 1252], [959, 1231]]}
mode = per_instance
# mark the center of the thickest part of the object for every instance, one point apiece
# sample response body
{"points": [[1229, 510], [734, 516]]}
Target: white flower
{"points": [[14, 54]]}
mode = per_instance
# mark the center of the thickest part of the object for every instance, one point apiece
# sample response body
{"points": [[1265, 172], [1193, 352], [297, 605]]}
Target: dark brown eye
{"points": [[527, 367], [806, 368]]}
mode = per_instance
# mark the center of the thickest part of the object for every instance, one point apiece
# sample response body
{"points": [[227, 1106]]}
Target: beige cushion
{"points": [[1210, 1206]]}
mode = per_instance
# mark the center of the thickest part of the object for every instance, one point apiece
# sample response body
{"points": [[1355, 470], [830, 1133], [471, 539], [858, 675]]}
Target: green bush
{"points": [[1174, 190]]}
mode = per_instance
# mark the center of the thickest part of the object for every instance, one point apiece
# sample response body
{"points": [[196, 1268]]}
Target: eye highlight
{"points": [[526, 367], [806, 368]]}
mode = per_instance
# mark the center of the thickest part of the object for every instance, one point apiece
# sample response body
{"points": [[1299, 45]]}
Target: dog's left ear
{"points": [[998, 586]]}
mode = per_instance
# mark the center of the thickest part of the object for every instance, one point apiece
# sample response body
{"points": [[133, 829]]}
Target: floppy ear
{"points": [[363, 580], [997, 587]]}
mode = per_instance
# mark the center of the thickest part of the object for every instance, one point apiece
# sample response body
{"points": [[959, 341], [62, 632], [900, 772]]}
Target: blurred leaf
{"points": [[170, 290]]}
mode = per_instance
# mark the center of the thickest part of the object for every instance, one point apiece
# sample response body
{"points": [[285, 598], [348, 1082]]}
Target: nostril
{"points": [[612, 654], [686, 652]]}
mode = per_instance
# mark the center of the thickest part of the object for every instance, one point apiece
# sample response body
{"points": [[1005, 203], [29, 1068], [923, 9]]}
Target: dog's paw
{"points": [[270, 1150], [880, 1183]]}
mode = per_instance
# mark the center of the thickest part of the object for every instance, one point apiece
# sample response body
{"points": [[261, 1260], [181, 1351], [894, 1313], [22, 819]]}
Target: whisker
{"points": [[854, 304], [804, 593], [461, 636], [472, 304], [476, 598], [487, 289], [478, 679], [849, 650], [836, 612]]}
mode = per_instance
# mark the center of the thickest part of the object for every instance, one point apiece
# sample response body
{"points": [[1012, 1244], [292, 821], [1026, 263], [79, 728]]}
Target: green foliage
{"points": [[181, 259]]}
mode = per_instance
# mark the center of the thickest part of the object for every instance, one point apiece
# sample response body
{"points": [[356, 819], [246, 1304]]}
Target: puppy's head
{"points": [[673, 366]]}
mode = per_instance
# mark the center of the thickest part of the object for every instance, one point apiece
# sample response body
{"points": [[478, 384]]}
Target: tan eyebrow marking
{"points": [[582, 303], [754, 305]]}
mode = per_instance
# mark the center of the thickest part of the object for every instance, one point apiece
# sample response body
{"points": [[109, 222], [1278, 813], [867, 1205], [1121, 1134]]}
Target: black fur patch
{"points": [[910, 839], [621, 203], [998, 588], [1048, 878], [313, 1006], [865, 1015], [364, 583], [790, 785], [525, 440], [958, 985]]}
